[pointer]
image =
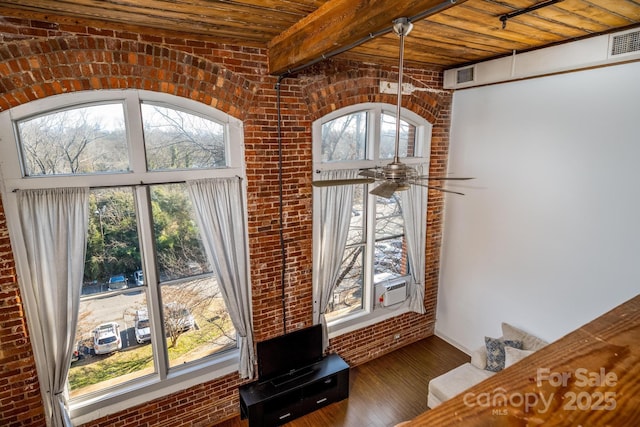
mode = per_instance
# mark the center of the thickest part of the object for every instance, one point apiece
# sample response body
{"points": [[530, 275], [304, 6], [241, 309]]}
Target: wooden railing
{"points": [[590, 377]]}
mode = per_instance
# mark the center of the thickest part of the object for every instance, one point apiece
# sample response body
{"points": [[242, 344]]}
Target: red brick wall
{"points": [[19, 391], [41, 59]]}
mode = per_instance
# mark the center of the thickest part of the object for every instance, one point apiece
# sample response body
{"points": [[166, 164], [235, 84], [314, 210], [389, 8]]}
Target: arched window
{"points": [[372, 280], [151, 316]]}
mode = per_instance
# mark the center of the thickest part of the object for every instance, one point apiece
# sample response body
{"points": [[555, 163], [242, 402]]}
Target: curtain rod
{"points": [[141, 184]]}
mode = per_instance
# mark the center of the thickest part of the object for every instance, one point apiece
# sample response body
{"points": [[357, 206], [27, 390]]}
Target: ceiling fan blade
{"points": [[438, 178], [438, 188], [332, 182], [386, 189]]}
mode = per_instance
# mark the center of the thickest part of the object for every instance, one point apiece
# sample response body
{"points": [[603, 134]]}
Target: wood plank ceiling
{"points": [[298, 32]]}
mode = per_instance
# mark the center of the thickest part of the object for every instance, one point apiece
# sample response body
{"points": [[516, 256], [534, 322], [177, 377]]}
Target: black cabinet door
{"points": [[282, 415]]}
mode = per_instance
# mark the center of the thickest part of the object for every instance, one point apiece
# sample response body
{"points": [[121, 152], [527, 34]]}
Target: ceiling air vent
{"points": [[624, 43], [465, 75]]}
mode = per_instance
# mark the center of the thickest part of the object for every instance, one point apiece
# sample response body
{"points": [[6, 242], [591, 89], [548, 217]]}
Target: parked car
{"points": [[138, 277], [106, 338], [118, 282], [178, 317], [142, 326]]}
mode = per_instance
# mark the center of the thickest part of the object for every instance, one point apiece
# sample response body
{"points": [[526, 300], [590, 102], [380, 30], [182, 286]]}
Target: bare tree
{"points": [[180, 140], [344, 138], [71, 142], [190, 302]]}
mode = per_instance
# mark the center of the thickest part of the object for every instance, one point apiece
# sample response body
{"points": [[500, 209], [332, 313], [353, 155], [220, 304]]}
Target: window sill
{"points": [[90, 408], [360, 320]]}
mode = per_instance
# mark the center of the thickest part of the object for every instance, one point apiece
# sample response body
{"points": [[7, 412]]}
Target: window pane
{"points": [[348, 293], [196, 320], [112, 340], [113, 249], [345, 138], [388, 138], [84, 140], [389, 220], [390, 258], [176, 139], [358, 215], [108, 352], [179, 249]]}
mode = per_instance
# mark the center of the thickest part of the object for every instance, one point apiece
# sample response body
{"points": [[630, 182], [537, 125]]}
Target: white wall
{"points": [[548, 236]]}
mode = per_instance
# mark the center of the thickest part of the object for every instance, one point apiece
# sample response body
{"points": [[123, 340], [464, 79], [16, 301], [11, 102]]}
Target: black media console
{"points": [[283, 399]]}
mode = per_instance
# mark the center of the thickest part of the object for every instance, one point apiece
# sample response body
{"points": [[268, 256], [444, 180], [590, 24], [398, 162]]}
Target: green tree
{"points": [[112, 245], [178, 243]]}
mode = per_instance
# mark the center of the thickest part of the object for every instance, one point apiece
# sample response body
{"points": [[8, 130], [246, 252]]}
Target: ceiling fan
{"points": [[395, 176]]}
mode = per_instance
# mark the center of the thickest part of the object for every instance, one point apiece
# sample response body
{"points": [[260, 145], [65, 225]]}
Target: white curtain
{"points": [[335, 211], [54, 228], [414, 212], [220, 213]]}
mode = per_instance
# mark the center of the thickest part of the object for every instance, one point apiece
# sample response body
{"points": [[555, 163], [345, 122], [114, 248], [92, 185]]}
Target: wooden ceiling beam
{"points": [[339, 23]]}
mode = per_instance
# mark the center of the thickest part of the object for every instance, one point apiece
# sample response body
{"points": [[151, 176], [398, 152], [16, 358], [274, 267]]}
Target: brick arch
{"points": [[36, 69], [351, 87]]}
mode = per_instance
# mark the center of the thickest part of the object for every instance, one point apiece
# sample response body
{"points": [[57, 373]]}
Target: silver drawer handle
{"points": [[282, 417], [324, 399]]}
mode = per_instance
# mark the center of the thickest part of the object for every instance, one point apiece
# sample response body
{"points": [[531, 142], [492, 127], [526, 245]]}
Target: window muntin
{"points": [[82, 140], [383, 255], [176, 139]]}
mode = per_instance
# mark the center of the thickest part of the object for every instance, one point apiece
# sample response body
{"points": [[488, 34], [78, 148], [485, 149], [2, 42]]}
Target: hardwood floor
{"points": [[384, 391]]}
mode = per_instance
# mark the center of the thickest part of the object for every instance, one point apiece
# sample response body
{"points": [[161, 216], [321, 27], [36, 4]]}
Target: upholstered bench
{"points": [[467, 375], [455, 382]]}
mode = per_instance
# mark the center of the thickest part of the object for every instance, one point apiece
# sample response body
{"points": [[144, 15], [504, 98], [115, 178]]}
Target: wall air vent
{"points": [[624, 43], [465, 75]]}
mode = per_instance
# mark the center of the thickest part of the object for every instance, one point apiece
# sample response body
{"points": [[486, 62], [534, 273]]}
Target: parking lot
{"points": [[109, 307], [97, 308]]}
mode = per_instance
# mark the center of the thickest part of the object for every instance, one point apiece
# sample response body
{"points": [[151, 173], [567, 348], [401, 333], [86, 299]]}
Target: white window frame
{"points": [[164, 381], [370, 313]]}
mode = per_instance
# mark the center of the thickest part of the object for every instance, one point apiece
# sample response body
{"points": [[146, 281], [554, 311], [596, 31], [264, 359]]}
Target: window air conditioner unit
{"points": [[394, 292]]}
